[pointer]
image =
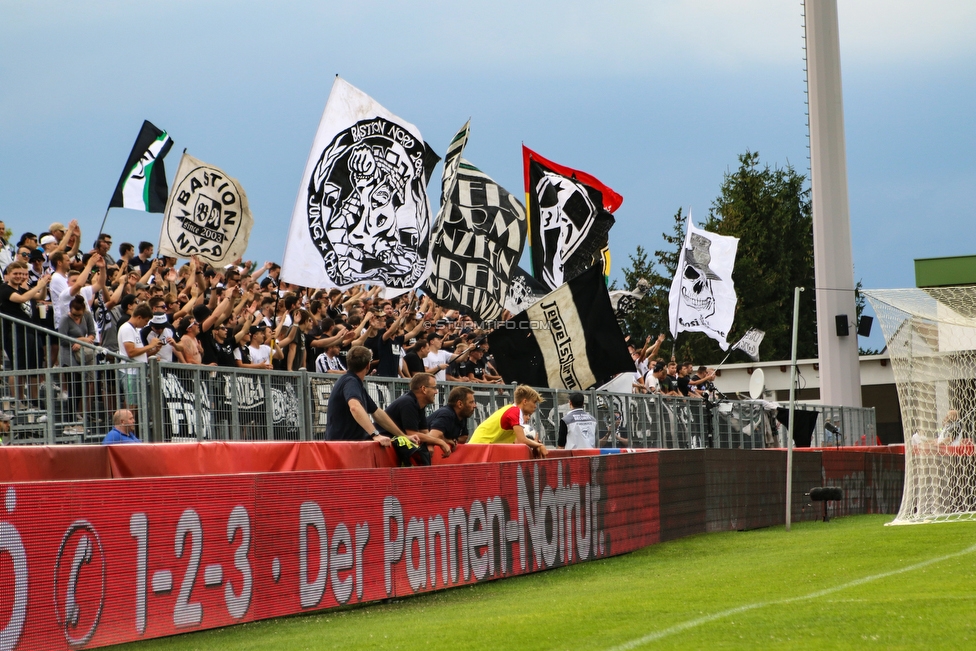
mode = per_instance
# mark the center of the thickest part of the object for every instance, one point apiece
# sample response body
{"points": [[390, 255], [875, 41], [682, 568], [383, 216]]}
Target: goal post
{"points": [[931, 340]]}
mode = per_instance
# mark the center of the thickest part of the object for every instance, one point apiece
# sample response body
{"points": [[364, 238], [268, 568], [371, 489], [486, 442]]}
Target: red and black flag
{"points": [[569, 339], [569, 216]]}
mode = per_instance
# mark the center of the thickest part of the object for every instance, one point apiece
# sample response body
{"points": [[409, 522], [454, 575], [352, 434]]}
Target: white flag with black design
{"points": [[478, 238], [362, 213], [207, 215], [749, 343], [624, 302], [702, 297], [569, 339]]}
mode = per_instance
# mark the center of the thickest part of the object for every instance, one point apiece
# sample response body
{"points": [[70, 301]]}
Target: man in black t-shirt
{"points": [[473, 370], [349, 409], [684, 380], [449, 423], [409, 411], [414, 360], [665, 383]]}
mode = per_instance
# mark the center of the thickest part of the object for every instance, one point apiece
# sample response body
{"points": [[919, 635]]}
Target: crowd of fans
{"points": [[667, 377], [122, 301], [138, 305]]}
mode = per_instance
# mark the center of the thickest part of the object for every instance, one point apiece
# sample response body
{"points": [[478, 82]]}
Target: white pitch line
{"points": [[694, 623]]}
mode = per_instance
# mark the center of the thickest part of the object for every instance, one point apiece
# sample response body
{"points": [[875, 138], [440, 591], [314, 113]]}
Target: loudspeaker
{"points": [[843, 329], [864, 326]]}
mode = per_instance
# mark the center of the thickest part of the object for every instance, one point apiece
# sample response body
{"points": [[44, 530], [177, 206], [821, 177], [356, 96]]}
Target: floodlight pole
{"points": [[792, 423]]}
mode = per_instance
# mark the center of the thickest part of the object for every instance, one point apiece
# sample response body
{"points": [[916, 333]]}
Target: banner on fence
{"points": [[211, 551]]}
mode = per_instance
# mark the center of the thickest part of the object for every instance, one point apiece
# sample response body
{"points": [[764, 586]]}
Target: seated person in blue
{"points": [[124, 427]]}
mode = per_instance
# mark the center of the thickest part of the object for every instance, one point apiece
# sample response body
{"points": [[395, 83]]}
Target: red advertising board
{"points": [[90, 563]]}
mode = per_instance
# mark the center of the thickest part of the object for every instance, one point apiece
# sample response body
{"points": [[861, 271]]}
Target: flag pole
{"points": [[101, 229], [792, 426], [678, 270]]}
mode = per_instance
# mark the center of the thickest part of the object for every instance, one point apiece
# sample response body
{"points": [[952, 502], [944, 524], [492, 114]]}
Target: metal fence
{"points": [[48, 403], [177, 402]]}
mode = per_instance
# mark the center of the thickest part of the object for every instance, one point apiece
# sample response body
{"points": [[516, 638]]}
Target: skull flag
{"points": [[362, 213], [569, 219], [702, 297], [524, 291], [207, 215], [569, 339], [478, 238]]}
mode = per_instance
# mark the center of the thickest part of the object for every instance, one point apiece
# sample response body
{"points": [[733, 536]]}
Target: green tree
{"points": [[769, 210], [650, 318]]}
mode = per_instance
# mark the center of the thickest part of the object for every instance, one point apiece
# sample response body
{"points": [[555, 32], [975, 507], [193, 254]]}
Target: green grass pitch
{"points": [[847, 583]]}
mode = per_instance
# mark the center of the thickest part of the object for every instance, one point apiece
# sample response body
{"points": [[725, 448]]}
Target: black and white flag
{"points": [[478, 238], [524, 291], [142, 185], [749, 344], [570, 215], [362, 213], [207, 215], [624, 302], [702, 297], [568, 340]]}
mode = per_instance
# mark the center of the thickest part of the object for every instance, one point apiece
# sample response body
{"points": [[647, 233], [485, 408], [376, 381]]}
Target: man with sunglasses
{"points": [[409, 411]]}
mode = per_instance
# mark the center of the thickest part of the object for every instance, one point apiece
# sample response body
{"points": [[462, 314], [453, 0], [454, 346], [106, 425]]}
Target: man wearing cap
{"points": [[159, 328], [49, 244], [259, 353], [577, 429], [57, 230], [35, 269], [414, 360], [437, 359]]}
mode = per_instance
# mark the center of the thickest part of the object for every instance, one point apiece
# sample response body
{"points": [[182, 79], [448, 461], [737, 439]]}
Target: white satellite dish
{"points": [[757, 384]]}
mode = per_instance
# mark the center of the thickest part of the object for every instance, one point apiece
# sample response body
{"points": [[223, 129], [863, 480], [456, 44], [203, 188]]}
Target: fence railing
{"points": [[180, 402], [56, 389]]}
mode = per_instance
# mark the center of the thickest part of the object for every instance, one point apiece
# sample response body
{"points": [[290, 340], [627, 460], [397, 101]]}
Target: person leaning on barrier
{"points": [[450, 422], [349, 408], [507, 425], [577, 429], [409, 411], [124, 425]]}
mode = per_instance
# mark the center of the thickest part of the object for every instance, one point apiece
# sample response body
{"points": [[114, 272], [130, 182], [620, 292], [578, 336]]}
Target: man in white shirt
{"points": [[259, 352], [437, 359], [159, 329], [132, 345], [59, 284]]}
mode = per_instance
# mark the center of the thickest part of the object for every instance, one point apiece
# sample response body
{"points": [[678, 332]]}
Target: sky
{"points": [[656, 99]]}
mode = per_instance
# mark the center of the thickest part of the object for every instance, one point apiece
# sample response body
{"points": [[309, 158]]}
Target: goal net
{"points": [[931, 339]]}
